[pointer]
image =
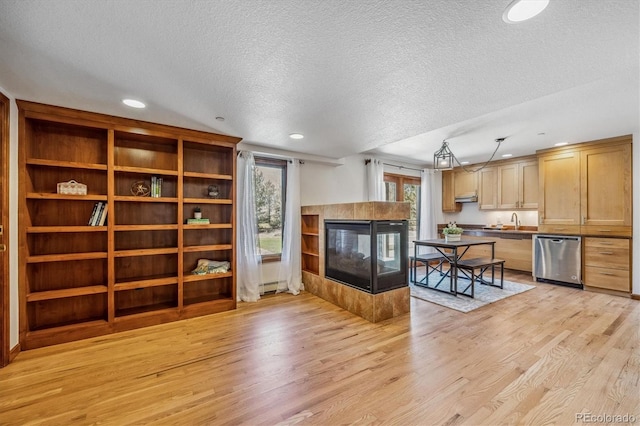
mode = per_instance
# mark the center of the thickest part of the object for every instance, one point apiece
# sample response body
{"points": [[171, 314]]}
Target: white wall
{"points": [[326, 184]]}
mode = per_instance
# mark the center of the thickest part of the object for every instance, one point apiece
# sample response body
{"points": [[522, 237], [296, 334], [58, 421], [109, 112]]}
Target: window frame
{"points": [[400, 181], [281, 164]]}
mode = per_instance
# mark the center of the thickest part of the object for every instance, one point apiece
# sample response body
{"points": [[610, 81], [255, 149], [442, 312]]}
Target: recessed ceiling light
{"points": [[562, 144], [133, 103], [521, 10], [296, 136], [507, 155], [464, 162]]}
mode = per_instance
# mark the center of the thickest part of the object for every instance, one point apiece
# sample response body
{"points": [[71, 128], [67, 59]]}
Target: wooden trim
{"points": [[635, 296], [14, 352], [5, 353], [584, 145], [74, 116]]}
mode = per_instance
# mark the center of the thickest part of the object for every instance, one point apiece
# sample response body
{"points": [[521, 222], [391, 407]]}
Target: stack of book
{"points": [[99, 215], [201, 221], [156, 187]]}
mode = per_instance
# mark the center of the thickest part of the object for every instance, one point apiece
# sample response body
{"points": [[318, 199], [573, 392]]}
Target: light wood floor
{"points": [[540, 357]]}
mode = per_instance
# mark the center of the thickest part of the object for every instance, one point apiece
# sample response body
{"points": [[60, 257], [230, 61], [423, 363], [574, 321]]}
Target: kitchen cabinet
{"points": [[518, 185], [586, 188], [606, 263], [559, 192], [515, 250], [509, 185], [449, 204], [465, 184], [488, 188], [606, 199]]}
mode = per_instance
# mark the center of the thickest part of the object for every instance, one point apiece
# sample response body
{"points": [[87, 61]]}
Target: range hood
{"points": [[469, 197]]}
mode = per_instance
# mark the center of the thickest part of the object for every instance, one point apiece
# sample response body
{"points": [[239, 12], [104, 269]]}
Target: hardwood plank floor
{"points": [[540, 357]]}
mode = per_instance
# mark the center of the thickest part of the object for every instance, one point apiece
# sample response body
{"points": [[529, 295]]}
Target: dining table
{"points": [[453, 252]]}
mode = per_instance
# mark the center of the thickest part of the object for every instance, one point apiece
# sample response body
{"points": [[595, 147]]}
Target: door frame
{"points": [[5, 105]]}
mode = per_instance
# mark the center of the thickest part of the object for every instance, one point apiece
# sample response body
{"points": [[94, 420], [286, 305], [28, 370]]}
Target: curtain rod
{"points": [[368, 160]]}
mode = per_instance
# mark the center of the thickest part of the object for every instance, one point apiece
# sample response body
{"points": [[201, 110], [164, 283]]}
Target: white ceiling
{"points": [[386, 77]]}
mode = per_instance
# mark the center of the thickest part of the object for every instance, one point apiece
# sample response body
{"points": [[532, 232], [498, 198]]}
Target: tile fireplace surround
{"points": [[372, 307]]}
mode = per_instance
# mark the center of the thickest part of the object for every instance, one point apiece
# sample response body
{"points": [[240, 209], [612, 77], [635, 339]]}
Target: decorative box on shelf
{"points": [[72, 188], [201, 221]]}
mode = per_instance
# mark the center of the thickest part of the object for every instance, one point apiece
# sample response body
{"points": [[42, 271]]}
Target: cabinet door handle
{"points": [[559, 229], [605, 230], [541, 219], [584, 220], [607, 273], [606, 252]]}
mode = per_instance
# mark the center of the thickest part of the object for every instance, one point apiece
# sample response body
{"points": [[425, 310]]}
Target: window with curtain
{"points": [[405, 188], [270, 188]]}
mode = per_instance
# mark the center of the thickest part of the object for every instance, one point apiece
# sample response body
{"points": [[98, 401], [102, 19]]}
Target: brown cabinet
{"points": [[606, 263], [559, 199], [488, 188], [449, 204], [516, 252], [465, 184], [586, 188], [79, 279], [518, 185]]}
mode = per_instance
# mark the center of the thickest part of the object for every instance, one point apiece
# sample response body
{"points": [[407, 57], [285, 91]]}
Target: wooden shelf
{"points": [[66, 257], [134, 199], [128, 273], [53, 196], [207, 201], [208, 226], [67, 292], [131, 228], [144, 283], [145, 171], [194, 277], [60, 229], [213, 247], [65, 164], [207, 176], [145, 252]]}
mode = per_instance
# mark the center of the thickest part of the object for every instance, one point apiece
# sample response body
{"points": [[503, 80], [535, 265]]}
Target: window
{"points": [[270, 181], [405, 188]]}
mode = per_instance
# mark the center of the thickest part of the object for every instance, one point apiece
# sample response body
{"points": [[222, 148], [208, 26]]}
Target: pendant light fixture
{"points": [[443, 159]]}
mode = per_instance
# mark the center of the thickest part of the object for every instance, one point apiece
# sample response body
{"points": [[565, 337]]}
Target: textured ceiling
{"points": [[391, 77]]}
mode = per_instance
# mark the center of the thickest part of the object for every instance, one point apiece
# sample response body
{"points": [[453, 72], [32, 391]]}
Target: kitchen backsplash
{"points": [[471, 214]]}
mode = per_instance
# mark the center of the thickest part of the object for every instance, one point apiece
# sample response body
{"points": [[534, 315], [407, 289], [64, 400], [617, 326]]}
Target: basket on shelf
{"points": [[72, 188]]}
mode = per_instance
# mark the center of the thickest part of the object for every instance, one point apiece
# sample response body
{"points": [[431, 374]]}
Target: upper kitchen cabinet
{"points": [[605, 174], [586, 188], [559, 192], [465, 184], [488, 188], [518, 185], [449, 204], [511, 185]]}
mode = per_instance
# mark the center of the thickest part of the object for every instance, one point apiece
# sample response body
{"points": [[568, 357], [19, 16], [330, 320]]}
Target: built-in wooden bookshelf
{"points": [[310, 243], [79, 281]]}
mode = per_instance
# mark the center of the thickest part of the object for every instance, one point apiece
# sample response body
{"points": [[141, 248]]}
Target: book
{"points": [[103, 215], [93, 213], [201, 221], [96, 217]]}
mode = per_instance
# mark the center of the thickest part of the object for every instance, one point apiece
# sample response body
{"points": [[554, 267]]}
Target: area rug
{"points": [[484, 294]]}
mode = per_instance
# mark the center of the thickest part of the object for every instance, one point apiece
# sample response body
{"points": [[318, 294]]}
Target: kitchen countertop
{"points": [[524, 232]]}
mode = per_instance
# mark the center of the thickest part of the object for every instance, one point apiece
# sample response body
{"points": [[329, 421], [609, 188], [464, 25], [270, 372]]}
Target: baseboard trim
{"points": [[635, 296], [14, 352]]}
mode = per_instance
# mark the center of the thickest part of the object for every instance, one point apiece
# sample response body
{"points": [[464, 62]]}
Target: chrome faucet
{"points": [[515, 215]]}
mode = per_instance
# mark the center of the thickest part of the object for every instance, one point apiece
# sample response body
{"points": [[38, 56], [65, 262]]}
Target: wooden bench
{"points": [[426, 259], [477, 267]]}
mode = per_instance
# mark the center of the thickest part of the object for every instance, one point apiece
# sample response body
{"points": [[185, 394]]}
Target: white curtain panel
{"points": [[375, 180], [427, 220], [248, 274], [290, 272]]}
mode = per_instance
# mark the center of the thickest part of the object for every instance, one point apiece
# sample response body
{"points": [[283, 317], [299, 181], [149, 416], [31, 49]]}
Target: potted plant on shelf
{"points": [[197, 213], [452, 232]]}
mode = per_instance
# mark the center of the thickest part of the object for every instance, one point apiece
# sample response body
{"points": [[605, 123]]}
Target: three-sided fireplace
{"points": [[370, 255]]}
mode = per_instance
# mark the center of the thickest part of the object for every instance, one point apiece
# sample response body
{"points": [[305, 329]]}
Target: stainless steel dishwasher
{"points": [[557, 258]]}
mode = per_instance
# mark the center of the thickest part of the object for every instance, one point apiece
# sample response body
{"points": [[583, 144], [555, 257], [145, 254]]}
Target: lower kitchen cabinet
{"points": [[606, 263]]}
